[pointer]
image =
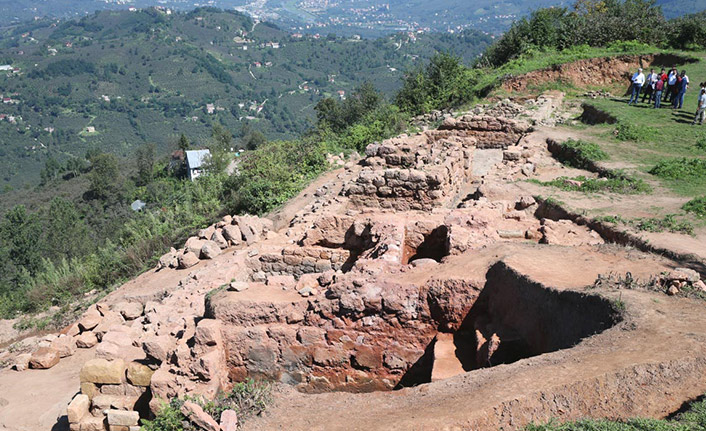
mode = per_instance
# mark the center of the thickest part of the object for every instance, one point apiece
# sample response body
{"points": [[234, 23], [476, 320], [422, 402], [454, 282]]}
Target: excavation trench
{"points": [[512, 318], [368, 343]]}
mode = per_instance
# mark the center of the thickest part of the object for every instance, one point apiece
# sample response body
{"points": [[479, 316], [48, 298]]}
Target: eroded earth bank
{"points": [[423, 285]]}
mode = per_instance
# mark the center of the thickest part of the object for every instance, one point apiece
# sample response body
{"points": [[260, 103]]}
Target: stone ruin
{"points": [[391, 283], [428, 170], [321, 309]]}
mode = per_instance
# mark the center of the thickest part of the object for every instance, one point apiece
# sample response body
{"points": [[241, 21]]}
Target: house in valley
{"points": [[195, 161]]}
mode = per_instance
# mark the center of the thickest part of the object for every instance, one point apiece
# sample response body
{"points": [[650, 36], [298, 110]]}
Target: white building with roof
{"points": [[195, 160]]}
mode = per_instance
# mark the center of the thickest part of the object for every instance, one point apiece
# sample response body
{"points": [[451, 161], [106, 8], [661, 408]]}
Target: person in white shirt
{"points": [[701, 108], [649, 88], [638, 80], [670, 92]]}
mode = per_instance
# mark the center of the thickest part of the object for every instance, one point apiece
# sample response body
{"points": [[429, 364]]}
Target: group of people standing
{"points": [[666, 87]]}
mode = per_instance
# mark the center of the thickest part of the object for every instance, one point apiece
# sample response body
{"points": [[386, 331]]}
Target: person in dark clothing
{"points": [[659, 88], [649, 87], [682, 86]]}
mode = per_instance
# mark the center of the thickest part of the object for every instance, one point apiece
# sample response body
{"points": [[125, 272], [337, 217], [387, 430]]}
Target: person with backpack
{"points": [[682, 86], [638, 80], [701, 108], [659, 88]]}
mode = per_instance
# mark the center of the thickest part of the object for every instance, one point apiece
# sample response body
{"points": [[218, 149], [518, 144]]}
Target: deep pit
{"points": [[361, 338]]}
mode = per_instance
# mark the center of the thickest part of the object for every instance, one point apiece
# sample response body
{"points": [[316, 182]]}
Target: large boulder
{"points": [[129, 310], [90, 320], [78, 408], [207, 232], [86, 340], [122, 418], [219, 239], [232, 234], [210, 250], [139, 374], [66, 346], [158, 347], [193, 245], [168, 260], [208, 332], [22, 361], [118, 343], [187, 260], [229, 420], [111, 320], [44, 357], [103, 371]]}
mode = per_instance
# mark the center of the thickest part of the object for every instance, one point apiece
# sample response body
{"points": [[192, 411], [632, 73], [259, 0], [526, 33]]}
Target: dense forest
{"points": [[81, 234]]}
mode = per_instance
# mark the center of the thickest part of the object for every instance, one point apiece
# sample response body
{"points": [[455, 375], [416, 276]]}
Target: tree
{"points": [[184, 143], [254, 140], [221, 141], [340, 115], [67, 233], [21, 232], [104, 176], [75, 166], [51, 170], [444, 83], [145, 155]]}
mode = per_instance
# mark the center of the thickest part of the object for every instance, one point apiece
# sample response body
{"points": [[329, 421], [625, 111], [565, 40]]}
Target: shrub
{"points": [[623, 26], [168, 418], [680, 168], [701, 143], [627, 46], [247, 399], [270, 175], [696, 206], [634, 132]]}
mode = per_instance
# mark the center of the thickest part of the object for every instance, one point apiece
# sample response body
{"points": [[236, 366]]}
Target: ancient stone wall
{"points": [[413, 176], [297, 261], [113, 393], [485, 131], [361, 336]]}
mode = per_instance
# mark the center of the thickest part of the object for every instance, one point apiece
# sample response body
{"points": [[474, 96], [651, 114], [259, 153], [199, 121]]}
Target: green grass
{"points": [[668, 223], [693, 419], [580, 154], [649, 138], [619, 184], [696, 206]]}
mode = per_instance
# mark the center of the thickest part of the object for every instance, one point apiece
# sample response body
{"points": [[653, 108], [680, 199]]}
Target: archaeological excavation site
{"points": [[422, 285]]}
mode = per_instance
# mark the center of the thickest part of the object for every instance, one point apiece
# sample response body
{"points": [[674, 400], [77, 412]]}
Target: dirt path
{"points": [[37, 399]]}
